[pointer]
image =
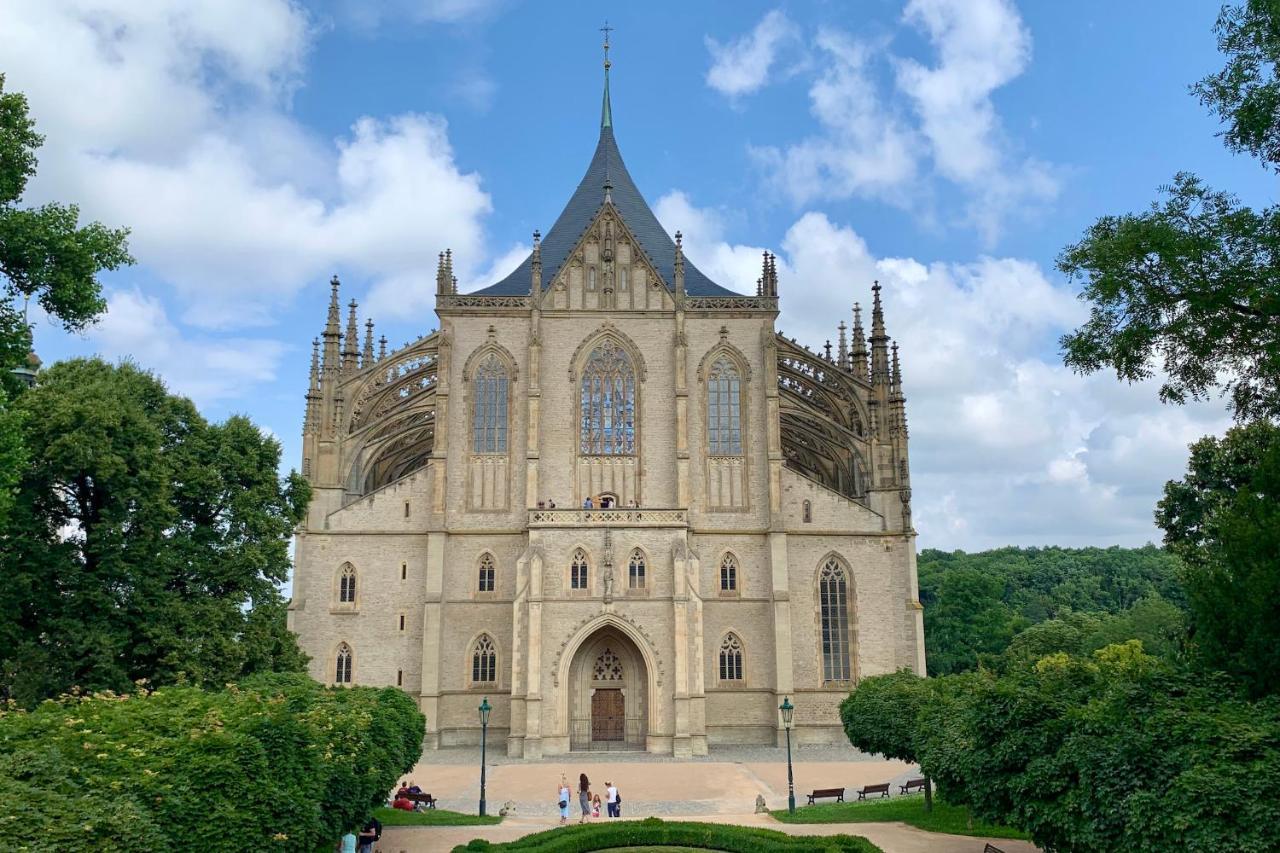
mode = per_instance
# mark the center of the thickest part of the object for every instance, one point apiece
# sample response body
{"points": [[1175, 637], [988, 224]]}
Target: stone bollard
{"points": [[761, 808], [509, 807]]}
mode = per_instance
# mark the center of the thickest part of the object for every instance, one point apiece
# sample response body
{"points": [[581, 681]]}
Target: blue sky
{"points": [[950, 148]]}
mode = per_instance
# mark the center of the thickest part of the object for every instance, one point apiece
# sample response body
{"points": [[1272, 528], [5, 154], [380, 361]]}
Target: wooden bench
{"points": [[426, 799], [911, 784], [991, 848], [882, 789], [838, 793]]}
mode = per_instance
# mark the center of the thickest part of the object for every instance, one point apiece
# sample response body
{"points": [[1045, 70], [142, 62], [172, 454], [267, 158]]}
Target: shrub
{"points": [[278, 762], [653, 832]]}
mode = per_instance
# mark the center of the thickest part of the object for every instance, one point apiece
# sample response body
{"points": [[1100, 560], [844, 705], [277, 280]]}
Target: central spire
{"points": [[606, 112]]}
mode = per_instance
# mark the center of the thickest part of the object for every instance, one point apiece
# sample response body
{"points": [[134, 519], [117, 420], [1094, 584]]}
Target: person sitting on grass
{"points": [[403, 803]]}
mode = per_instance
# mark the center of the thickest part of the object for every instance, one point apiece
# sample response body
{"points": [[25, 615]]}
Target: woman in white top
{"points": [[563, 802]]}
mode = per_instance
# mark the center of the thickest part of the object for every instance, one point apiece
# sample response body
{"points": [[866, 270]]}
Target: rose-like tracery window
{"points": [[608, 402], [608, 667]]}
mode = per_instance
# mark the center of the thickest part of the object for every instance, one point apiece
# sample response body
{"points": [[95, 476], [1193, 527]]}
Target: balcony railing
{"points": [[612, 517]]}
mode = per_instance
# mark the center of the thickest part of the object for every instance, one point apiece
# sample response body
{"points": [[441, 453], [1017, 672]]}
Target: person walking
{"points": [[584, 796], [611, 799], [563, 800]]}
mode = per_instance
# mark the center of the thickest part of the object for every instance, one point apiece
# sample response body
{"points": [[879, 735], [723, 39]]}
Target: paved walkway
{"points": [[721, 787]]}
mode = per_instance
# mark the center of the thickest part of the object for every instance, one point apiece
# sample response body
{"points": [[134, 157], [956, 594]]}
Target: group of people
{"points": [[364, 841], [402, 800], [589, 802], [605, 501]]}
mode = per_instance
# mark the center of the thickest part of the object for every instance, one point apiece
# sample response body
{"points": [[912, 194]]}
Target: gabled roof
{"points": [[606, 169]]}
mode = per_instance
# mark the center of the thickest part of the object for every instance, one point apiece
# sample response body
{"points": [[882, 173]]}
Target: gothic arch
{"points": [[646, 562], [347, 585], [568, 569], [490, 346], [736, 589], [607, 331], [729, 351], [850, 631], [480, 566], [343, 650], [475, 648], [583, 633], [736, 635]]}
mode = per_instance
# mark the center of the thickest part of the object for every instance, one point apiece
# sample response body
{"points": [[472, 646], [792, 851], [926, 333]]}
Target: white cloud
{"points": [[207, 369], [372, 13], [742, 66], [173, 120], [867, 146], [1008, 446]]}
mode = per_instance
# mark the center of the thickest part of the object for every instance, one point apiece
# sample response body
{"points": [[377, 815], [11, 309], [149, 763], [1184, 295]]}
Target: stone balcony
{"points": [[613, 517]]}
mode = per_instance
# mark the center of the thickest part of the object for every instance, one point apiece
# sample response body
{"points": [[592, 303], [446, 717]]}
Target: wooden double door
{"points": [[608, 715]]}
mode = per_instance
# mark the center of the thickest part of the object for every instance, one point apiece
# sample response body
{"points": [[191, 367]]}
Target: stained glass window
{"points": [[833, 594], [342, 672], [728, 574], [486, 573], [578, 570], [489, 407], [731, 659], [635, 570], [724, 418], [608, 402], [347, 585], [484, 661]]}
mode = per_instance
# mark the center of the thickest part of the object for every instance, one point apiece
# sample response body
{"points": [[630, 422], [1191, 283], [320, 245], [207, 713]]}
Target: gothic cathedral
{"points": [[608, 496]]}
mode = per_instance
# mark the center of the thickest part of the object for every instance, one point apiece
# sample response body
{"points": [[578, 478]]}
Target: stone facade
{"points": [[736, 482]]}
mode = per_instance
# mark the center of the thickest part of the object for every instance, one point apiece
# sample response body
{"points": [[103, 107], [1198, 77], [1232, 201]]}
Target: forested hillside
{"points": [[975, 604]]}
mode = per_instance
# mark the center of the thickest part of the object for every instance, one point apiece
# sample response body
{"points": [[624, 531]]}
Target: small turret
{"points": [[769, 275], [842, 352], [312, 420], [827, 349], [332, 332], [366, 357], [679, 266], [351, 342], [858, 355], [879, 341], [535, 284], [897, 400], [382, 347]]}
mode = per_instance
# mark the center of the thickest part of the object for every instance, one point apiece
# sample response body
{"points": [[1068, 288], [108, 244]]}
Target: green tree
{"points": [[965, 619], [1246, 93], [1223, 520], [46, 257], [145, 543]]}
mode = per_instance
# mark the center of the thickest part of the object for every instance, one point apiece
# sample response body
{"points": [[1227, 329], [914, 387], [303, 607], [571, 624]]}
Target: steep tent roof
{"points": [[606, 171]]}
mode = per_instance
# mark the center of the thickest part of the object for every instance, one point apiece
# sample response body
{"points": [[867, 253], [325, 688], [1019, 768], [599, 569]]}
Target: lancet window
{"points": [[489, 407], [729, 574], [484, 661], [731, 658], [347, 585], [833, 602], [635, 570], [342, 665], [608, 403], [578, 570], [486, 573], [724, 415]]}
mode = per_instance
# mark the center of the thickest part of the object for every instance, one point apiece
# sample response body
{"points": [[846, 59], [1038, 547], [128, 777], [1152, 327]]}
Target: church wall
{"points": [[385, 508], [828, 510]]}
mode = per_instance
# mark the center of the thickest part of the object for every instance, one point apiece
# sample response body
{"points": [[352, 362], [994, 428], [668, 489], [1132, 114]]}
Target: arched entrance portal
{"points": [[608, 687]]}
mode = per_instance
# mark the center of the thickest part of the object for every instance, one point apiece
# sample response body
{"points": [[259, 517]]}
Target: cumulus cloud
{"points": [[205, 368], [742, 66], [1008, 446], [935, 120]]}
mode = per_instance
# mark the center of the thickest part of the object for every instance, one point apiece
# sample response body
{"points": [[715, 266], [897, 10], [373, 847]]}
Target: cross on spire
{"points": [[606, 111]]}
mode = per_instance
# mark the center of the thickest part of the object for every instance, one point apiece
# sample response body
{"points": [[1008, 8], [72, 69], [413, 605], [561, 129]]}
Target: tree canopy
{"points": [[144, 541]]}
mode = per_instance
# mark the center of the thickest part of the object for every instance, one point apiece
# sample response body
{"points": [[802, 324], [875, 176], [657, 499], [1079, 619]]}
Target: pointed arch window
{"points": [[489, 407], [486, 573], [579, 570], [635, 570], [731, 658], [729, 574], [608, 402], [347, 585], [724, 409], [833, 603], [342, 665], [484, 661]]}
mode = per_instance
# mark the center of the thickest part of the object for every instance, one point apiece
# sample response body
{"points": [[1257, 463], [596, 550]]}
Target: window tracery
{"points": [[608, 667], [342, 668], [578, 570], [486, 573], [635, 570], [484, 661], [608, 402], [833, 602], [731, 658], [347, 585], [724, 416], [729, 574], [489, 407]]}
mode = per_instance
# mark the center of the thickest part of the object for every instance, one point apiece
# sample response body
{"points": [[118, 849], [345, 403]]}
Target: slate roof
{"points": [[606, 167]]}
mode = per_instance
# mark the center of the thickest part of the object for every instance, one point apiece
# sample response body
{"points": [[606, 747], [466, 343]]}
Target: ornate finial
{"points": [[828, 349], [535, 266], [606, 111], [382, 347], [351, 341], [537, 240], [366, 357], [315, 364], [333, 306], [842, 353]]}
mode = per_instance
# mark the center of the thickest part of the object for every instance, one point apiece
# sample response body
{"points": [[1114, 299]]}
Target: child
{"points": [[595, 806]]}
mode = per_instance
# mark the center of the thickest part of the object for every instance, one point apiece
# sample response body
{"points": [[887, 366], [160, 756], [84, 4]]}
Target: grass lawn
{"points": [[652, 834], [908, 810], [431, 817]]}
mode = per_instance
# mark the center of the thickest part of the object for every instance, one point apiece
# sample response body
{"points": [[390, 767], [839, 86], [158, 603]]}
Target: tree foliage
{"points": [[144, 542], [275, 763], [1223, 520], [1245, 94], [976, 604]]}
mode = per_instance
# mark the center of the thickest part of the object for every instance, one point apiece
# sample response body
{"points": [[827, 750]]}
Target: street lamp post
{"points": [[787, 710], [485, 708]]}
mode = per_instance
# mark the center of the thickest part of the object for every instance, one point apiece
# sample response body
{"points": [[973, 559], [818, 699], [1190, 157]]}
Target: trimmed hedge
{"points": [[652, 832], [277, 762]]}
